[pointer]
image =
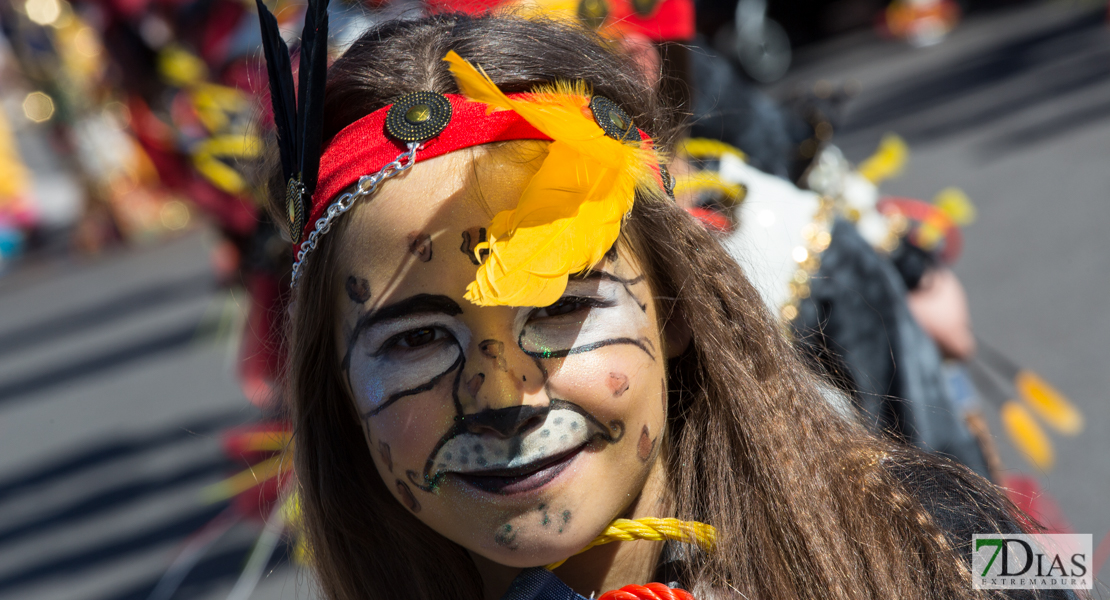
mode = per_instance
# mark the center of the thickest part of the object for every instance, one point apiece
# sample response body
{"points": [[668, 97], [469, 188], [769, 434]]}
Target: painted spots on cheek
{"points": [[358, 290], [420, 246], [406, 496], [494, 350], [646, 445], [505, 536], [386, 454], [618, 384], [563, 520], [471, 238]]}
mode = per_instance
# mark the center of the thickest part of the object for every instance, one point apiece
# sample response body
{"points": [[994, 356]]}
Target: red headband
{"points": [[364, 147]]}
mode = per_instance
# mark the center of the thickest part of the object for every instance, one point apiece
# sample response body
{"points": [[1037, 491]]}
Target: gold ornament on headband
{"points": [[570, 212]]}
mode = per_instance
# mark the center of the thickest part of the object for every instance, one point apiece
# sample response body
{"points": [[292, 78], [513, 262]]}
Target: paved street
{"points": [[115, 381], [117, 375]]}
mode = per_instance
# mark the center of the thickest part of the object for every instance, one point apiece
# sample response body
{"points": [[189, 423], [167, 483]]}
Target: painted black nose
{"points": [[506, 422]]}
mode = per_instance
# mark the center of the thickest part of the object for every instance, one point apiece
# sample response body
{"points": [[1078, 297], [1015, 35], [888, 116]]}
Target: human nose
{"points": [[508, 421], [498, 374]]}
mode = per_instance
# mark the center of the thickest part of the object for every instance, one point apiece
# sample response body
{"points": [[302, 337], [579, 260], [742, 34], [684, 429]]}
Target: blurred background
{"points": [[141, 283]]}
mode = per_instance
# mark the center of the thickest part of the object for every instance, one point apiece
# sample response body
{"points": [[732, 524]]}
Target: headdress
{"points": [[569, 214], [297, 118]]}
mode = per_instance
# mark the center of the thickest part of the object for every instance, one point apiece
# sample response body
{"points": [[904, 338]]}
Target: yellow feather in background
{"points": [[570, 213], [1027, 436], [887, 161], [1050, 404], [954, 203]]}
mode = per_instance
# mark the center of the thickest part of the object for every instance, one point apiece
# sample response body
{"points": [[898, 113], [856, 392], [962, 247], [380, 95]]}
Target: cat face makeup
{"points": [[502, 428]]}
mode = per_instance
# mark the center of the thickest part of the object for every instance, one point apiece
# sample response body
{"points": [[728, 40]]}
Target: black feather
{"points": [[313, 77], [282, 95]]}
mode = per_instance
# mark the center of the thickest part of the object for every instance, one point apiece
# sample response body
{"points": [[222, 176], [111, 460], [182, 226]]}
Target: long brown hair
{"points": [[805, 502]]}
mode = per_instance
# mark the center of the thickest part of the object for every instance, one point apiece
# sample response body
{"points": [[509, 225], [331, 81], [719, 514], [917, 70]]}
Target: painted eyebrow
{"points": [[413, 305], [598, 274]]}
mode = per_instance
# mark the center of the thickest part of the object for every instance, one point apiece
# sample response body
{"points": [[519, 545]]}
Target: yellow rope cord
{"points": [[708, 180], [657, 530], [709, 148]]}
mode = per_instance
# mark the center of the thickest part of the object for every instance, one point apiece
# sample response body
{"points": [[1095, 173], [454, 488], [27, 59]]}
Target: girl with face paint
{"points": [[452, 439]]}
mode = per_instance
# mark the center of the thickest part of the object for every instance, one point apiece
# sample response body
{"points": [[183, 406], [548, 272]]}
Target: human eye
{"points": [[415, 341], [569, 305]]}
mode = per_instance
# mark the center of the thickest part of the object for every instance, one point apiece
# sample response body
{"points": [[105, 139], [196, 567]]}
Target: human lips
{"points": [[521, 479]]}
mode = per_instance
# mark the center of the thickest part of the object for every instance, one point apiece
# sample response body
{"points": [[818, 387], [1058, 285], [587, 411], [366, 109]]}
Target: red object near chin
{"points": [[651, 591]]}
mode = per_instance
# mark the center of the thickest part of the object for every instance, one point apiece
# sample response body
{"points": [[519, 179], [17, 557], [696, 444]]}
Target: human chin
{"points": [[574, 501]]}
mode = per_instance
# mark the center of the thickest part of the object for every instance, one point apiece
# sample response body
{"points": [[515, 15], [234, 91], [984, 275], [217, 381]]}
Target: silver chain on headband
{"points": [[366, 186]]}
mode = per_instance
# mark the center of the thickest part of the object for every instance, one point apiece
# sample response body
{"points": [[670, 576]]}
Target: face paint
{"points": [[501, 428], [505, 536], [358, 290], [404, 349], [505, 451], [420, 246], [618, 383], [386, 455], [494, 349], [406, 497], [597, 311], [646, 445], [471, 238]]}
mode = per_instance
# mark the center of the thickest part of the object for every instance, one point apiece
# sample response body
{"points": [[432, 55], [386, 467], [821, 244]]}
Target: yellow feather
{"points": [[734, 193], [570, 213], [14, 176], [709, 148], [1027, 436], [559, 110], [1050, 404], [954, 202], [888, 160], [568, 216]]}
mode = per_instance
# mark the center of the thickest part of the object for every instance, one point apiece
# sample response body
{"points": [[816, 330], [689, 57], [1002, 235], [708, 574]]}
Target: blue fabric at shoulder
{"points": [[539, 584]]}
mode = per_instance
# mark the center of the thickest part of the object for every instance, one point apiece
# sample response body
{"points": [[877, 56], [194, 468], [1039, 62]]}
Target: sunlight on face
{"points": [[517, 432]]}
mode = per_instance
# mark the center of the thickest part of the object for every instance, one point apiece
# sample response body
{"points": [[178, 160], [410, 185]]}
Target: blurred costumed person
{"points": [[864, 281], [184, 72]]}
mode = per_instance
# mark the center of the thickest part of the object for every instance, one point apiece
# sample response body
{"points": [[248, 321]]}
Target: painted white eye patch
{"points": [[596, 311], [404, 349]]}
